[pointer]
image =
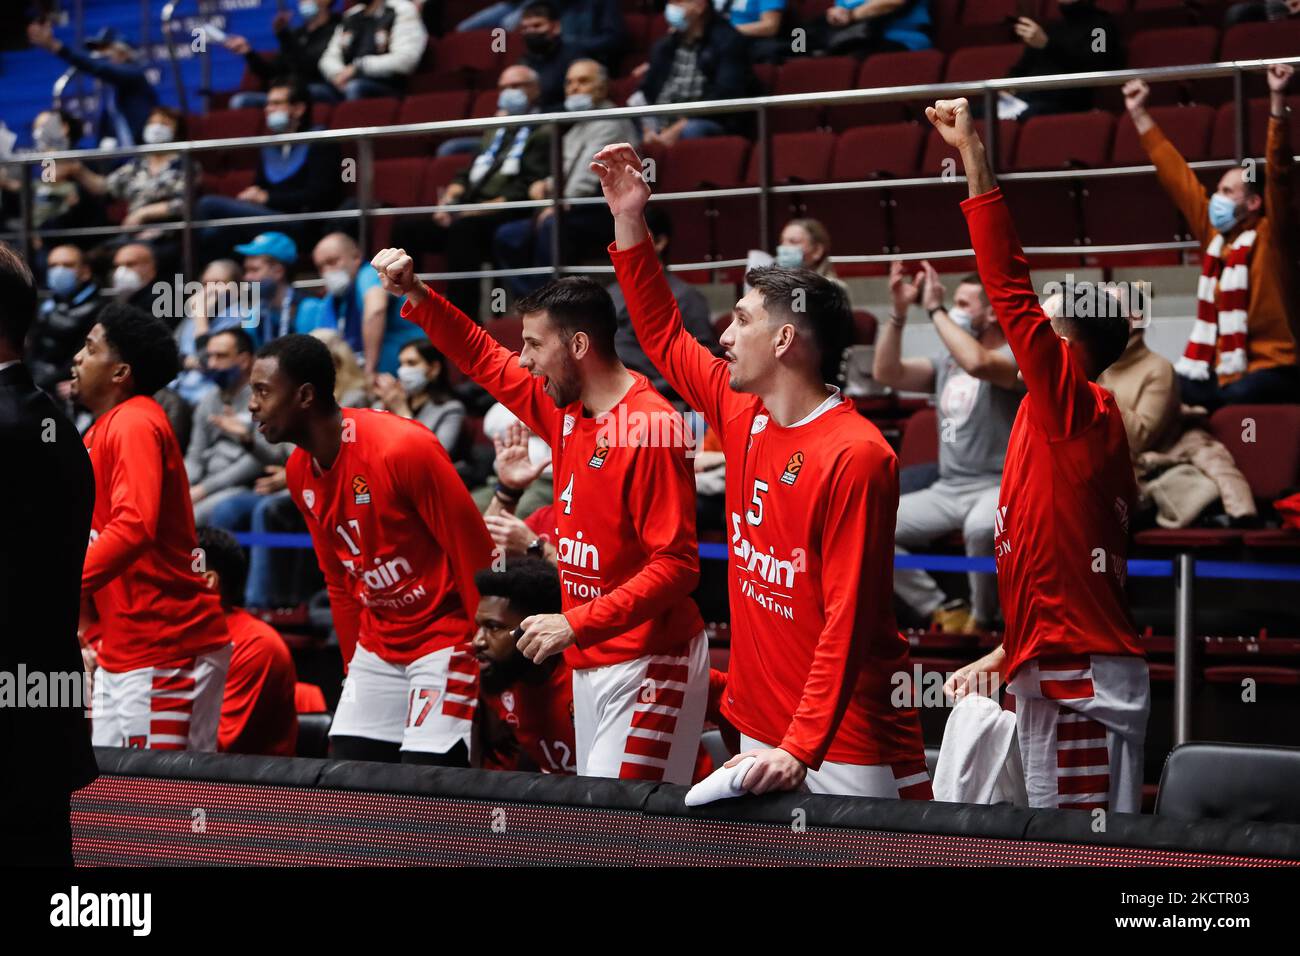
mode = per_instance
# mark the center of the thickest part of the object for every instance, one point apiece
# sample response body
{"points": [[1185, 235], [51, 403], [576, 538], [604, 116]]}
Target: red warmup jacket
{"points": [[142, 567], [624, 499], [1062, 527], [396, 534], [811, 511]]}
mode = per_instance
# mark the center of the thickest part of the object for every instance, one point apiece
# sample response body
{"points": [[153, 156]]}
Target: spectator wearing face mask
{"points": [[421, 390], [1243, 345], [63, 320], [547, 52], [301, 48], [269, 261], [58, 201], [701, 58], [805, 244], [976, 385], [375, 47], [153, 185], [291, 178], [226, 453], [587, 229], [356, 304], [509, 161], [134, 270], [215, 308], [127, 95], [1085, 38]]}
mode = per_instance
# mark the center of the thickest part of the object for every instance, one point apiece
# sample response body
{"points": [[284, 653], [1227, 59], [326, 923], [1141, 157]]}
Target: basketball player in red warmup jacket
{"points": [[625, 520], [534, 701], [812, 494], [1070, 650], [164, 649], [399, 539]]}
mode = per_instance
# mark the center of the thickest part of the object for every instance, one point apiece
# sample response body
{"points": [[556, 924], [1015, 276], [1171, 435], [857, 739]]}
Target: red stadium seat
{"points": [[485, 104], [883, 70], [1175, 46], [809, 75], [229, 124], [1187, 127], [920, 444], [795, 158], [353, 114], [423, 108], [1263, 442], [475, 58], [864, 327], [891, 150], [1261, 41], [1067, 140], [439, 174], [936, 150], [982, 62], [1223, 142], [716, 162], [508, 330]]}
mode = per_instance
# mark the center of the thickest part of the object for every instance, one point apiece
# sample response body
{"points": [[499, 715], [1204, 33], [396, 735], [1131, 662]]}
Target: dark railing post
{"points": [[764, 179], [557, 193], [991, 127], [365, 174], [25, 211], [1239, 104], [1184, 646], [187, 233]]}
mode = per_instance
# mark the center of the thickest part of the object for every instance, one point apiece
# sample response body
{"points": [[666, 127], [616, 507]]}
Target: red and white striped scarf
{"points": [[1226, 324]]}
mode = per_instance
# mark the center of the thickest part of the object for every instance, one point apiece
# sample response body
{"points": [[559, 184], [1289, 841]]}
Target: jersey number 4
{"points": [[567, 496]]}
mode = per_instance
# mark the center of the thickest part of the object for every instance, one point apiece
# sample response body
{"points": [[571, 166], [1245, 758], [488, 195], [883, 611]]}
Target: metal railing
{"points": [[365, 137]]}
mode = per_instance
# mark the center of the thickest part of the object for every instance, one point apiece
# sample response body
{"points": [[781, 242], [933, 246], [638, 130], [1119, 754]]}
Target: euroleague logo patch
{"points": [[360, 490], [792, 468], [601, 453]]}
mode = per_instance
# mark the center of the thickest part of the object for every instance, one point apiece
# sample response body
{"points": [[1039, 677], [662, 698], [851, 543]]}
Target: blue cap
{"points": [[274, 244]]}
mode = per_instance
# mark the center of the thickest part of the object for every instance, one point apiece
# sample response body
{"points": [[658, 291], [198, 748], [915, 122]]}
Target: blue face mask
{"points": [[61, 280], [277, 122], [308, 9], [789, 257], [1223, 212], [223, 378], [578, 101], [675, 16], [512, 101]]}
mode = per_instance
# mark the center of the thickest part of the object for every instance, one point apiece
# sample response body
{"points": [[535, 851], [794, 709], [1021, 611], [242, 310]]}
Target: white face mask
{"points": [[961, 317], [126, 280], [412, 377], [158, 133], [789, 257], [50, 136], [336, 281]]}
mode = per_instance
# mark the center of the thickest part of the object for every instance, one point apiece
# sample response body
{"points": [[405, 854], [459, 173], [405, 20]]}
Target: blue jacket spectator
{"points": [[761, 23], [128, 96], [862, 27], [269, 260]]}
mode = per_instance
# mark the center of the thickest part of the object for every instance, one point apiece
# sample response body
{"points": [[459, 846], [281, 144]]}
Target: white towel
{"points": [[979, 760], [722, 784]]}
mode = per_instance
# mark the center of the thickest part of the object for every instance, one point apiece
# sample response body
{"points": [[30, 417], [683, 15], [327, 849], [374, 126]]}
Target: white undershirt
{"points": [[833, 399]]}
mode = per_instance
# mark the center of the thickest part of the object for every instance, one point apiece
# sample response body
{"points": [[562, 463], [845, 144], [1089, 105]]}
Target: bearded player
{"points": [[812, 493], [398, 538], [624, 520], [164, 649], [1070, 648]]}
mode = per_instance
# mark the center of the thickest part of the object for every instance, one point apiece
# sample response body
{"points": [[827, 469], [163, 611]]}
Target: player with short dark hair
{"points": [[533, 701], [399, 539], [625, 520], [1069, 653], [164, 648], [812, 491], [258, 715]]}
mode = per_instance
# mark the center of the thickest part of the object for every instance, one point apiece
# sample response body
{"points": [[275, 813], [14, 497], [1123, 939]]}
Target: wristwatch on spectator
{"points": [[537, 548], [937, 308]]}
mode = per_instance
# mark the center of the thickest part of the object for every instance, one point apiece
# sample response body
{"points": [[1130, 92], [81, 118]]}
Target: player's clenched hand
{"points": [[965, 680], [544, 635], [619, 169], [773, 770], [397, 272], [953, 121], [509, 533]]}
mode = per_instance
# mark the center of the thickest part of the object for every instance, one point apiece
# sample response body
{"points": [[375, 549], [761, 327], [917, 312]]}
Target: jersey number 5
{"points": [[755, 515]]}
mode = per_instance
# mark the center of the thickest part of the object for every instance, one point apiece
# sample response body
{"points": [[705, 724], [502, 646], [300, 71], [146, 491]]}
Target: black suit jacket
{"points": [[45, 512]]}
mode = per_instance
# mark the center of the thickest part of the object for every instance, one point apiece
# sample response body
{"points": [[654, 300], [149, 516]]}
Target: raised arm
{"points": [[1175, 176], [1062, 401], [471, 349], [686, 365], [888, 366], [1279, 184]]}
